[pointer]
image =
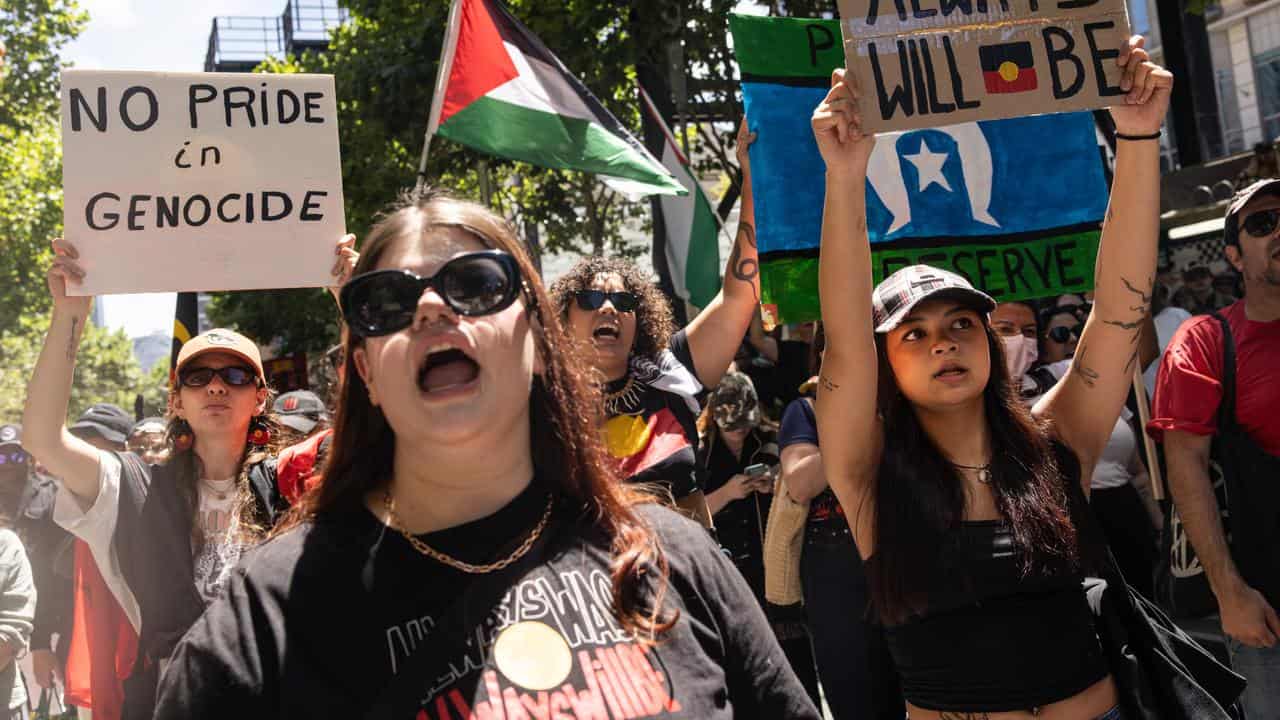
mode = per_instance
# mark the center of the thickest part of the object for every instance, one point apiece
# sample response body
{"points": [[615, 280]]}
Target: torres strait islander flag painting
{"points": [[1015, 206], [502, 92]]}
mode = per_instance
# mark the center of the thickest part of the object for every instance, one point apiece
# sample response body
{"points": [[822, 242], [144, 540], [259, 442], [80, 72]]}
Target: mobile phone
{"points": [[756, 470]]}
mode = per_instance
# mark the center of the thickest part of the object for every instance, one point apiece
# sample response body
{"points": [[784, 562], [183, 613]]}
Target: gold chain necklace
{"points": [[393, 521], [625, 396]]}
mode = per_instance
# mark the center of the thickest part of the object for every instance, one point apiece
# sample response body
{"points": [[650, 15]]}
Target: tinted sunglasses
{"points": [[233, 375], [1062, 334], [594, 300], [384, 301], [1261, 223], [17, 457]]}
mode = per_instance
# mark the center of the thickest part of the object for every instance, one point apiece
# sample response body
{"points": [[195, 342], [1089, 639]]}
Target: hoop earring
{"points": [[259, 432], [181, 435]]}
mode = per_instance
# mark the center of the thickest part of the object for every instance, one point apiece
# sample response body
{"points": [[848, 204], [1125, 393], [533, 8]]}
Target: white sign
{"points": [[200, 181]]}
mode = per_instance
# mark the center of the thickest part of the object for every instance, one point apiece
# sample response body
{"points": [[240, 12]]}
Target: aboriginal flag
{"points": [[1008, 68]]}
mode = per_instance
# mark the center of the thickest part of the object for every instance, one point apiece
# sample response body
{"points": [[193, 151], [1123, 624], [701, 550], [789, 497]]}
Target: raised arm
{"points": [[44, 433], [846, 405], [1085, 405], [717, 332]]}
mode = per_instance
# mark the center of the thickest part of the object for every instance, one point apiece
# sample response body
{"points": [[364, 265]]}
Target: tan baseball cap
{"points": [[222, 340]]}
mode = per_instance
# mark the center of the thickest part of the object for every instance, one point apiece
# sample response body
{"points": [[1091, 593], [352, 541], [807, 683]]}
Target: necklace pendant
{"points": [[984, 476]]}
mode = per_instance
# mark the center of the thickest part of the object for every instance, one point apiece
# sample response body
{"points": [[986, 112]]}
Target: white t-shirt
{"points": [[1112, 468], [221, 550], [1167, 322]]}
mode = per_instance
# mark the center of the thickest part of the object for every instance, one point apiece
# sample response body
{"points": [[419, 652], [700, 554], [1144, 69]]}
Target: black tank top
{"points": [[991, 639]]}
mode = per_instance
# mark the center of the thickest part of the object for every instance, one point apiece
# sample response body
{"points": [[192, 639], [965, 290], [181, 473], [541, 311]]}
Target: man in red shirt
{"points": [[1218, 394]]}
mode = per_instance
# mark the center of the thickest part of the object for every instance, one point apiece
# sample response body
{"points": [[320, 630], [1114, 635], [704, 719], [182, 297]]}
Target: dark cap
{"points": [[301, 410], [149, 424], [107, 421], [10, 435], [1231, 228], [894, 298], [734, 403]]}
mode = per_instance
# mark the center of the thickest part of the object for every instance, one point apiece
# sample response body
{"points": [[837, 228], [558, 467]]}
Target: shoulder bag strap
{"points": [[1227, 406]]}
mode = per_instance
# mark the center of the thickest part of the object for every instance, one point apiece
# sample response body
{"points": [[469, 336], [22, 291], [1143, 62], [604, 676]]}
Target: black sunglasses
{"points": [[384, 301], [233, 375], [1262, 223], [1062, 334], [594, 300]]}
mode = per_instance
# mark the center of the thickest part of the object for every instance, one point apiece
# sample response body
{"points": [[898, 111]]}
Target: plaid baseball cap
{"points": [[894, 298], [1231, 228]]}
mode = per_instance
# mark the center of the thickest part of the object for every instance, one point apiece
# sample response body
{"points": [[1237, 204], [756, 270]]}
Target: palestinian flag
{"points": [[693, 243], [502, 92]]}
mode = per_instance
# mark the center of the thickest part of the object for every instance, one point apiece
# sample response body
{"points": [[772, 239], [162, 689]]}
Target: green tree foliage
{"points": [[34, 31], [155, 390], [30, 214], [106, 370]]}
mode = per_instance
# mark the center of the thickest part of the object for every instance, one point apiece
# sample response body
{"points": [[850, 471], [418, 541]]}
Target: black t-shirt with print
{"points": [[329, 620]]}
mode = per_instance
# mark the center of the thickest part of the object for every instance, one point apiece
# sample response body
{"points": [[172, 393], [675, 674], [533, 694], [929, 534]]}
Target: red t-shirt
{"points": [[1189, 385]]}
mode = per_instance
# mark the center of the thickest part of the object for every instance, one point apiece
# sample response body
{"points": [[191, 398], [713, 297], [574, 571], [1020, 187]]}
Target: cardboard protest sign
{"points": [[1013, 205], [200, 181], [926, 63]]}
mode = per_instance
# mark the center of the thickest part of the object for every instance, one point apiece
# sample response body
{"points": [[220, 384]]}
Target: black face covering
{"points": [[13, 482]]}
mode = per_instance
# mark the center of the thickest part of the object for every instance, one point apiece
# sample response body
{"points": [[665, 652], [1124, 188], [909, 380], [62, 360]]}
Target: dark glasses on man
{"points": [[384, 301], [1062, 333], [594, 300], [233, 375], [1261, 223], [17, 457]]}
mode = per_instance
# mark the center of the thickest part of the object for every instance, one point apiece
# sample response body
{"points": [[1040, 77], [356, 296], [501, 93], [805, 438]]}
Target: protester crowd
{"points": [[552, 502]]}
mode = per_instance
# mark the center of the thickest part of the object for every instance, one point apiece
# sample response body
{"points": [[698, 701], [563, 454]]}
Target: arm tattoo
{"points": [[1080, 366], [71, 341], [827, 385], [744, 269], [1141, 308]]}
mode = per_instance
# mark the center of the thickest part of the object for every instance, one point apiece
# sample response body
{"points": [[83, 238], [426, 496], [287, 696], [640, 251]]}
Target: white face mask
{"points": [[1020, 353]]}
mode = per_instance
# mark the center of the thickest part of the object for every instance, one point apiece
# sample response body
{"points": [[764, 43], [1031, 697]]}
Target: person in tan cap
{"points": [[165, 537]]}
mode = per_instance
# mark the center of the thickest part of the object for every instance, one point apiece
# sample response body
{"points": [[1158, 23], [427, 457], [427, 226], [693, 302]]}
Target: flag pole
{"points": [[422, 164], [442, 78], [482, 169], [1144, 416]]}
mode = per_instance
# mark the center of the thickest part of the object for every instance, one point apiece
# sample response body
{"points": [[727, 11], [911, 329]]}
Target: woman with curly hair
{"points": [[654, 379], [467, 553]]}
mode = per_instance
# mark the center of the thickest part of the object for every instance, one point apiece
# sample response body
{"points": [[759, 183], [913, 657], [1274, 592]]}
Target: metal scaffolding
{"points": [[239, 44]]}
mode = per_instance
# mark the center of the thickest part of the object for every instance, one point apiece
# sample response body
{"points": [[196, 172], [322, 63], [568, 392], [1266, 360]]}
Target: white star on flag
{"points": [[929, 167]]}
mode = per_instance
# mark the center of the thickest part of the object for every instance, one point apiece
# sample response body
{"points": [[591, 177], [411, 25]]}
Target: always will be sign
{"points": [[926, 63]]}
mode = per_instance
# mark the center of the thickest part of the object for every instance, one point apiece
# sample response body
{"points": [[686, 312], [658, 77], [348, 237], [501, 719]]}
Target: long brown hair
{"points": [[564, 418], [918, 496], [251, 524]]}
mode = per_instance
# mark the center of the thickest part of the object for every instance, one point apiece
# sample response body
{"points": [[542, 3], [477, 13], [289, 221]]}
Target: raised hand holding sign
{"points": [[929, 63], [216, 181]]}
